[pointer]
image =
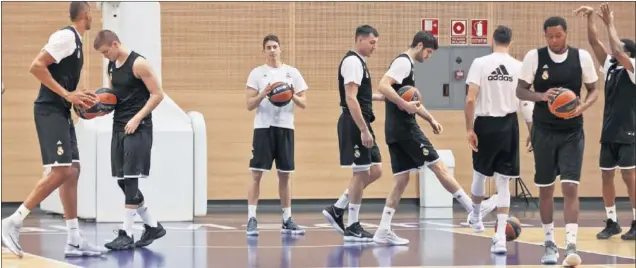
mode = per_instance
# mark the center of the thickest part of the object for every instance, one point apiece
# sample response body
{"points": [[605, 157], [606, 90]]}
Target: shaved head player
{"points": [[58, 67], [358, 148], [273, 131], [138, 94], [557, 143], [409, 148]]}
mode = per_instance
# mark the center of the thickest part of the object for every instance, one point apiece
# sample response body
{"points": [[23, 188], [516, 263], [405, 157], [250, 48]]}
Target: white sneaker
{"points": [[475, 222], [498, 246], [83, 248], [386, 236], [11, 236], [488, 206]]}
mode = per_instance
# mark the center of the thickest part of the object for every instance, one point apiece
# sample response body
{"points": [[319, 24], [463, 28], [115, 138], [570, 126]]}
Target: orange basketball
{"points": [[106, 101], [281, 94], [513, 228], [564, 104], [409, 93]]}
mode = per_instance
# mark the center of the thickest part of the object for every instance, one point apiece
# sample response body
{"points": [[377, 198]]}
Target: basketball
{"points": [[564, 104], [106, 101], [513, 228], [409, 93], [281, 94]]}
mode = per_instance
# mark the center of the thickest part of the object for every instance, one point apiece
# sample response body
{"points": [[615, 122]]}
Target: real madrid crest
{"points": [[60, 150], [356, 153], [425, 151], [545, 75]]}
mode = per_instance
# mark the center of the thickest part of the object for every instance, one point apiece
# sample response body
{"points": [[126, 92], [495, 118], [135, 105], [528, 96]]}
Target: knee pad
{"points": [[132, 193], [479, 184], [503, 192]]}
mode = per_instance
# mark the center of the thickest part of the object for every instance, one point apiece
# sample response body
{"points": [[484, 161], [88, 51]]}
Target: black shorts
{"points": [[130, 154], [557, 153], [273, 144], [56, 134], [617, 155], [497, 146], [412, 154], [352, 152]]}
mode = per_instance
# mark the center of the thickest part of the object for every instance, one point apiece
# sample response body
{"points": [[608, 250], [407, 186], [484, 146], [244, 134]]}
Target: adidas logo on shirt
{"points": [[500, 74]]}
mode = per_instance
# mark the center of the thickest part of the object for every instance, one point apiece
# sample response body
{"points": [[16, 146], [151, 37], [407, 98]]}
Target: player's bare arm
{"points": [[300, 99], [524, 92], [378, 97], [616, 46], [254, 98], [387, 91], [469, 107], [351, 91], [592, 36], [143, 71], [39, 69]]}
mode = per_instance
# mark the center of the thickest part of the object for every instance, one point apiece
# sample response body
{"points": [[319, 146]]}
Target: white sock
{"points": [[387, 216], [463, 199], [476, 211], [251, 211], [72, 227], [354, 211], [286, 214], [634, 210], [20, 213], [571, 229], [145, 216], [128, 221], [611, 212], [548, 230], [502, 223], [343, 201]]}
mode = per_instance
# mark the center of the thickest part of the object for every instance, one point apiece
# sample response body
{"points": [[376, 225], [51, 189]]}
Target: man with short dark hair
{"points": [[409, 148], [492, 127], [58, 67], [618, 136], [138, 93], [273, 139], [557, 143], [358, 148]]}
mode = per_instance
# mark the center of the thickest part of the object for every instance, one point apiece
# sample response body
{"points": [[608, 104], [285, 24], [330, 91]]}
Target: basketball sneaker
{"points": [[150, 234], [121, 242], [252, 227], [388, 237], [11, 236], [83, 249], [550, 254], [572, 258], [290, 227], [498, 245], [335, 216], [475, 219], [631, 234], [612, 228], [355, 233]]}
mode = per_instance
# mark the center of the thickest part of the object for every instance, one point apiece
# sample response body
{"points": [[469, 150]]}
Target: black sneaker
{"points": [[355, 233], [631, 234], [290, 227], [150, 234], [334, 217], [121, 242], [611, 229]]}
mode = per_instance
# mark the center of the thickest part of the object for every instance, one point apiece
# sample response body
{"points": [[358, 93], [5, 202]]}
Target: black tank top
{"points": [[619, 115], [567, 74], [132, 94], [400, 125], [365, 90], [67, 73]]}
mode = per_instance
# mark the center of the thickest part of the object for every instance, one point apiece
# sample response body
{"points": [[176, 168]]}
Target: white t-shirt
{"points": [[497, 76], [530, 62], [267, 114], [61, 44], [400, 69], [352, 71], [606, 65]]}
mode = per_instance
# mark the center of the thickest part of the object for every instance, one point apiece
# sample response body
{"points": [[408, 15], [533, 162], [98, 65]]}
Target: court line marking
{"points": [[535, 244], [35, 256]]}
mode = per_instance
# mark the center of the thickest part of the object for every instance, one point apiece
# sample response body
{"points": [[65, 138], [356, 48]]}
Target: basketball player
{"points": [[58, 67], [138, 94], [409, 148], [357, 146], [557, 143], [273, 131], [492, 127], [618, 141]]}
